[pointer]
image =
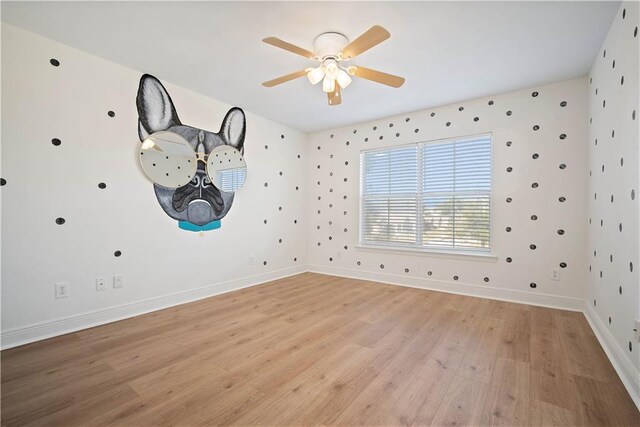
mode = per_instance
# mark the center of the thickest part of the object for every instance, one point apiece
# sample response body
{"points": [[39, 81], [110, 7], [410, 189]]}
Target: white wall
{"points": [[161, 264], [333, 215], [613, 301]]}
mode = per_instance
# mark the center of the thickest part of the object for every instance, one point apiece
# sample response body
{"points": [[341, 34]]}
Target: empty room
{"points": [[320, 213]]}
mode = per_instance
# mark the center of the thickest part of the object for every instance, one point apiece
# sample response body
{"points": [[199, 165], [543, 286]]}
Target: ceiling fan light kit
{"points": [[331, 49]]}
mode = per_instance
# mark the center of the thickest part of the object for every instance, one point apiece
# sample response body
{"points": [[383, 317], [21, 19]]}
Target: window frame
{"points": [[430, 250]]}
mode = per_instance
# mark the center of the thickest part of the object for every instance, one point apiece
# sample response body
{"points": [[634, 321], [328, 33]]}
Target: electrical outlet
{"points": [[100, 286], [555, 274], [117, 282], [62, 290]]}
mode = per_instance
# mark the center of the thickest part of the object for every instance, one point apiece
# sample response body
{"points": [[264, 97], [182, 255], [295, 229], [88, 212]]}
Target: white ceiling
{"points": [[447, 51]]}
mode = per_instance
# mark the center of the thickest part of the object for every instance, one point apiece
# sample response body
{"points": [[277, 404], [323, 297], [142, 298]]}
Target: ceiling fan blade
{"points": [[335, 97], [286, 78], [377, 76], [274, 41], [373, 36]]}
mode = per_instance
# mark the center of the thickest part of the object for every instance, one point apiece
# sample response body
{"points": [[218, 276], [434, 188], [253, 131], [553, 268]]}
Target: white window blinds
{"points": [[428, 195]]}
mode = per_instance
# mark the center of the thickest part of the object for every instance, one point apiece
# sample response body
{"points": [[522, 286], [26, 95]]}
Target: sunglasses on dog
{"points": [[170, 161]]}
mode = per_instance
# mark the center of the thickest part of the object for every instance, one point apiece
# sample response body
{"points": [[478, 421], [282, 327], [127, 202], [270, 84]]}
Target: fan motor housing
{"points": [[329, 44]]}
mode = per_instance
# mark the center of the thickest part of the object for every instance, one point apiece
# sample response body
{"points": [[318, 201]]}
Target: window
{"points": [[231, 179], [431, 195]]}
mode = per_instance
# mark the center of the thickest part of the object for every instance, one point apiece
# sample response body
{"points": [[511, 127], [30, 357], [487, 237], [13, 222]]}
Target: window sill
{"points": [[474, 256]]}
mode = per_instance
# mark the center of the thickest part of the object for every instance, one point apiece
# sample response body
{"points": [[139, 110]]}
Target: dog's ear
{"points": [[233, 128], [155, 107]]}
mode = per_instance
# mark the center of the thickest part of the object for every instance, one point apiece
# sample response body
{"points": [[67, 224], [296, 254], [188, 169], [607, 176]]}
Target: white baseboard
{"points": [[628, 373], [522, 297], [36, 332]]}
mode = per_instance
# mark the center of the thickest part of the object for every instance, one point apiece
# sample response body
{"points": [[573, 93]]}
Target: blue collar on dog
{"points": [[186, 225]]}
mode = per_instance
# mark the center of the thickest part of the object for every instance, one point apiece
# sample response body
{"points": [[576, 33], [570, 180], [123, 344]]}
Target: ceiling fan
{"points": [[331, 49]]}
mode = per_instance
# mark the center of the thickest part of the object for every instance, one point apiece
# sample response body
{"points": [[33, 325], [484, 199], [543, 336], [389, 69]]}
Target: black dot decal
{"points": [[561, 232], [475, 119], [460, 108], [264, 262], [563, 136], [54, 62], [509, 169], [117, 254], [509, 199], [358, 263], [111, 114], [563, 265], [536, 127], [562, 199], [448, 124], [535, 156], [486, 280], [429, 273], [562, 166], [534, 185], [381, 266], [509, 113], [281, 136], [433, 114], [455, 277], [533, 285], [630, 346], [60, 221], [534, 94], [3, 182], [534, 217], [406, 270], [102, 185], [56, 142], [508, 259], [532, 247], [508, 229], [631, 267], [563, 104], [490, 103]]}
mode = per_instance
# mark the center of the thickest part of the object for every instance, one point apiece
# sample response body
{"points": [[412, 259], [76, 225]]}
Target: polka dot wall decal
{"points": [[475, 119], [102, 185], [534, 217], [635, 32], [563, 104], [621, 80], [390, 125], [509, 143], [620, 290], [508, 229], [562, 166], [448, 124], [486, 280], [281, 136], [117, 254], [54, 62], [111, 114], [375, 128], [609, 319], [264, 262], [624, 13], [429, 273], [534, 94], [536, 127], [331, 136], [509, 113], [534, 185], [633, 194], [3, 182], [562, 199], [266, 184], [407, 119], [381, 266], [490, 102], [359, 263], [266, 147], [563, 136], [563, 265], [535, 156], [60, 221], [455, 277], [630, 346], [560, 231], [416, 130], [433, 114], [56, 142], [533, 285], [508, 259], [406, 270], [509, 169], [532, 247]]}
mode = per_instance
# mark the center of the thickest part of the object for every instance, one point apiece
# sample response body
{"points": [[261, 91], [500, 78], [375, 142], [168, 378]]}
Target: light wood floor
{"points": [[315, 349]]}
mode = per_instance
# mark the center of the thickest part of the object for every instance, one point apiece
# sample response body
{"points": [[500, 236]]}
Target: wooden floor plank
{"points": [[314, 349]]}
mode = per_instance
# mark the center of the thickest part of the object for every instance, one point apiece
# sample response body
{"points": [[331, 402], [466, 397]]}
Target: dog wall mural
{"points": [[200, 204]]}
